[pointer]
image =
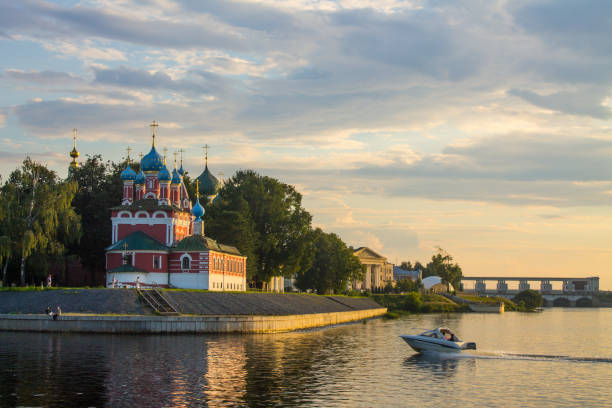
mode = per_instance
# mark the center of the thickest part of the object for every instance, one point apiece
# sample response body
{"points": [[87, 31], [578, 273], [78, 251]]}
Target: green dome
{"points": [[209, 184]]}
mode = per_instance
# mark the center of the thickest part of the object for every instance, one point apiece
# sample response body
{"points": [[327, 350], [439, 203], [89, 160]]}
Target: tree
{"points": [[406, 265], [272, 216], [531, 298], [408, 285], [333, 264], [442, 265], [99, 188], [37, 216]]}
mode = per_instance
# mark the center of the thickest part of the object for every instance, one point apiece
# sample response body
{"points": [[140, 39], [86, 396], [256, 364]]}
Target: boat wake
{"points": [[501, 355]]}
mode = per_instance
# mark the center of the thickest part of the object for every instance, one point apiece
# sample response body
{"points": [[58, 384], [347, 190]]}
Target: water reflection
{"points": [[355, 365]]}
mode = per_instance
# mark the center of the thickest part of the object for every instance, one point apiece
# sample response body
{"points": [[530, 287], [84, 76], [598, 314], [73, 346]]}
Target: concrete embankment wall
{"points": [[181, 324], [87, 310]]}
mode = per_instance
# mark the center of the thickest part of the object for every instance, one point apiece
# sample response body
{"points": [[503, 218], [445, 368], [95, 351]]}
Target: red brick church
{"points": [[158, 237]]}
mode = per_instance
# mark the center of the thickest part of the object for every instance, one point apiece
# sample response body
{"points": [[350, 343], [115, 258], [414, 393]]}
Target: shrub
{"points": [[413, 302], [531, 298]]}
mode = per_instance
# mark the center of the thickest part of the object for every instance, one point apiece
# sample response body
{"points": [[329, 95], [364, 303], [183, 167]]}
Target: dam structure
{"points": [[572, 291]]}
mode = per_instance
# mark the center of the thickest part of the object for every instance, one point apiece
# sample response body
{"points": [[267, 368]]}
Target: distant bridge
{"points": [[574, 291]]}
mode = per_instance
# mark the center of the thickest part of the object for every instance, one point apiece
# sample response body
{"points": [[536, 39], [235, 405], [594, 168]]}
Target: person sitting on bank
{"points": [[48, 311], [59, 313]]}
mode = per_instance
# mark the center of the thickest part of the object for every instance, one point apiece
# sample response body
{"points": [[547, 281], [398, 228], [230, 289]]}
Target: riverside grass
{"points": [[415, 302]]}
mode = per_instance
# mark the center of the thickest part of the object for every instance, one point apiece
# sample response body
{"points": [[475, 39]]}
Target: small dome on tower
{"points": [[197, 210], [176, 179], [128, 173], [181, 171], [140, 178], [164, 174]]}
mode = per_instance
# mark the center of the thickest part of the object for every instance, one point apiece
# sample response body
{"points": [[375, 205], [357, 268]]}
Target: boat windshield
{"points": [[449, 335]]}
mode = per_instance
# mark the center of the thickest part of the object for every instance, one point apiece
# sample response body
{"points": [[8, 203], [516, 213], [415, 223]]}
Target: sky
{"points": [[481, 127]]}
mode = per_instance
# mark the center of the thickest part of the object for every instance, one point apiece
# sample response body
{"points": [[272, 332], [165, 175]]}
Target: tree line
{"points": [[46, 221], [442, 264]]}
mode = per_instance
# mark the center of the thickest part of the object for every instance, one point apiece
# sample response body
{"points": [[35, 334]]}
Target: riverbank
{"points": [[124, 311], [415, 302]]}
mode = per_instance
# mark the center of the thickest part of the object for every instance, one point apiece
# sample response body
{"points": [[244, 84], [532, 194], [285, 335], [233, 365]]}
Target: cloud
{"points": [[582, 26], [48, 21], [589, 102], [139, 78], [43, 77]]}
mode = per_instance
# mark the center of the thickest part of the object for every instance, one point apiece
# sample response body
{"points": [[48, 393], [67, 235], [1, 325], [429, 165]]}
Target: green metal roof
{"points": [[209, 184], [138, 241], [202, 243], [126, 268]]}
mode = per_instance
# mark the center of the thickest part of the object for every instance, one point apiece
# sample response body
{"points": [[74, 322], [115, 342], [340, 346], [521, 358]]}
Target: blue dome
{"points": [[152, 161], [197, 210], [176, 179], [128, 173], [181, 172], [140, 178], [164, 174]]}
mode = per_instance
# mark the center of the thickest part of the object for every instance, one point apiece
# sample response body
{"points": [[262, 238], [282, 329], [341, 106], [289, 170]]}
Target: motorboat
{"points": [[439, 340]]}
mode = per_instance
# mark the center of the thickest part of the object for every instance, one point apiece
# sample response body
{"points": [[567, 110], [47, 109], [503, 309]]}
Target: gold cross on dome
{"points": [[129, 149], [205, 147], [154, 125], [165, 154], [175, 153], [181, 151], [74, 131]]}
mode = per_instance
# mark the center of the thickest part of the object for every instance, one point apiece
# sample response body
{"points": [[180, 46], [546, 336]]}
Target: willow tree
{"points": [[37, 215]]}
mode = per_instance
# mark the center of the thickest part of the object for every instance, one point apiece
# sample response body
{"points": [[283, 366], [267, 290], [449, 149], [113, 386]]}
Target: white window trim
{"points": [[190, 262]]}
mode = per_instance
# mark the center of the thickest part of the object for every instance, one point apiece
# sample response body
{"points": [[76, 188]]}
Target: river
{"points": [[560, 357]]}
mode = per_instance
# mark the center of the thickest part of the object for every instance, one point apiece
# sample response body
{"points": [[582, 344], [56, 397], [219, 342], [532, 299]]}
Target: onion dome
{"points": [[176, 179], [209, 183], [74, 153], [128, 174], [181, 172], [152, 162], [197, 211], [164, 174], [140, 178]]}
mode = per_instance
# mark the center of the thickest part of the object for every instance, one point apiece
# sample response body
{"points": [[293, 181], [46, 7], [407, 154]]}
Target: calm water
{"points": [[561, 357]]}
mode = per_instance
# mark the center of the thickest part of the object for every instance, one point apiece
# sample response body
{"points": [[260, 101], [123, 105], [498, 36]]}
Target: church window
{"points": [[156, 261], [186, 262]]}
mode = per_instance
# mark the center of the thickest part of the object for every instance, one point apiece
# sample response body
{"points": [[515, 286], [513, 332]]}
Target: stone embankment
{"points": [[122, 311]]}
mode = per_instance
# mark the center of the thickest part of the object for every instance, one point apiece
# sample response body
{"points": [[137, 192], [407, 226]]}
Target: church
{"points": [[158, 237]]}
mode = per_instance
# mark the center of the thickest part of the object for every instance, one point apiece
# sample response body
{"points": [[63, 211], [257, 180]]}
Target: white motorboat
{"points": [[440, 340]]}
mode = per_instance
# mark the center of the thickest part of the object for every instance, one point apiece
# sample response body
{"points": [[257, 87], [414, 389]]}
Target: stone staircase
{"points": [[158, 302]]}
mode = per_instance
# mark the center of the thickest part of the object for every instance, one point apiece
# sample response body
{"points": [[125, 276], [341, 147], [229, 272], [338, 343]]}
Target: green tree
{"points": [[38, 217], [442, 265], [99, 188], [333, 264], [531, 298], [406, 265], [408, 285], [275, 222]]}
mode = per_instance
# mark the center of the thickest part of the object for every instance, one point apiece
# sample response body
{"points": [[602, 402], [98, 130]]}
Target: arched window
{"points": [[185, 262]]}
